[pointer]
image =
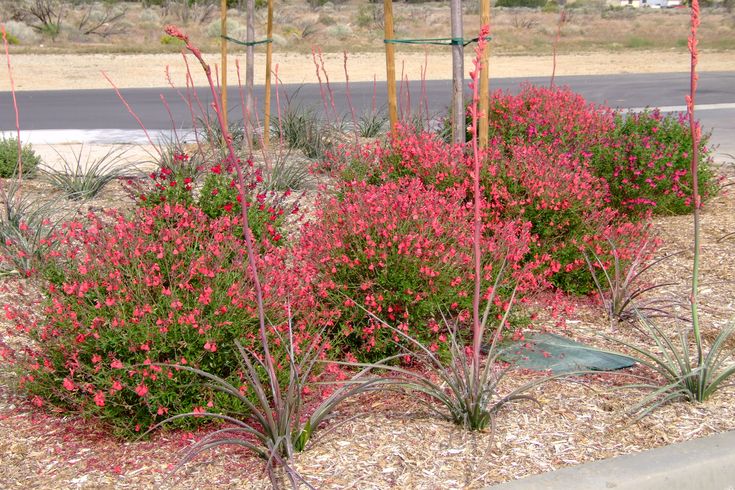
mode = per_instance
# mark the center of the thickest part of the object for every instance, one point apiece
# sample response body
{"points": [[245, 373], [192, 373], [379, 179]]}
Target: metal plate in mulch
{"points": [[550, 352]]}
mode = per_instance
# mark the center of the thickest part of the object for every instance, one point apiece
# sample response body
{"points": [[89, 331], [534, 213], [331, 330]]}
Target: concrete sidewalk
{"points": [[702, 464]]}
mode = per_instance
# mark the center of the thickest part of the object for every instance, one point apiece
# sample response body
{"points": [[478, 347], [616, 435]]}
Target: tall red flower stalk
{"points": [[15, 105], [477, 327], [174, 31], [132, 112], [562, 20], [696, 133]]}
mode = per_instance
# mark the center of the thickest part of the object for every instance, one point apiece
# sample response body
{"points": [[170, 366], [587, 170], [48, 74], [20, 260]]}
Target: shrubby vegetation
{"points": [[643, 158], [9, 158], [169, 282]]}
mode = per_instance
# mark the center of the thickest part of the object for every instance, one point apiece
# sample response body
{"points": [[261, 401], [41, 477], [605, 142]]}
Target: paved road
{"points": [[99, 115]]}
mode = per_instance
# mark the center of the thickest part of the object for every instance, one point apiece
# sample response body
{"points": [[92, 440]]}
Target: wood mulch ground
{"points": [[386, 441]]}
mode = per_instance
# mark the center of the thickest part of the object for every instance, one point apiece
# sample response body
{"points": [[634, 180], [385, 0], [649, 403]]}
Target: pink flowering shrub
{"points": [[556, 116], [567, 208], [172, 181], [646, 162], [402, 251], [175, 181], [564, 203], [168, 284], [644, 158]]}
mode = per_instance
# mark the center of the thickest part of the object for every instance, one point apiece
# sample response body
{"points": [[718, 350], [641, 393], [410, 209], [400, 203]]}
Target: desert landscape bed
{"points": [[394, 442], [113, 285]]}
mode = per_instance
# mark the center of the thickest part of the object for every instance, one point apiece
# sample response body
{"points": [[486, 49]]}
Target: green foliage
{"points": [[50, 30], [645, 160], [9, 158], [166, 285], [167, 40], [12, 39], [219, 197], [521, 3], [636, 42]]}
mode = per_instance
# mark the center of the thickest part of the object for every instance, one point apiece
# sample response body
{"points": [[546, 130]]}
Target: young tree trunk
{"points": [[223, 55], [249, 72], [268, 64], [458, 113]]}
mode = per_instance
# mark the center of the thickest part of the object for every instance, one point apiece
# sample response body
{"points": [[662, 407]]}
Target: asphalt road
{"points": [[99, 115]]}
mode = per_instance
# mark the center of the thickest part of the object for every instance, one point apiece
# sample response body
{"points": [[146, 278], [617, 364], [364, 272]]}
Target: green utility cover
{"points": [[549, 352]]}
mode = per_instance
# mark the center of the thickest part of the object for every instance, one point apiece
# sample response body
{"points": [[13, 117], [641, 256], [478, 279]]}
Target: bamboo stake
{"points": [[223, 28], [268, 56], [390, 63], [458, 112], [484, 78]]}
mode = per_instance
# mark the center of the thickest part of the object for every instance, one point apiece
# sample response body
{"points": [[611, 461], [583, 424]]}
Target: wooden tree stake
{"points": [[268, 61], [458, 112], [390, 63], [223, 83]]}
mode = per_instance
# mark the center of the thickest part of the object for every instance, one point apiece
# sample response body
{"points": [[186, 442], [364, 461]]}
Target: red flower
{"points": [[141, 390], [99, 399], [174, 31]]}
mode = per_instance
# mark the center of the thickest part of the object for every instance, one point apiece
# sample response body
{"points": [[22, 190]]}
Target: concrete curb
{"points": [[702, 464]]}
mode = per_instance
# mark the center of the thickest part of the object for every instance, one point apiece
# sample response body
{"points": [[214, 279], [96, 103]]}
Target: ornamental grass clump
{"points": [[83, 176], [26, 225], [620, 283]]}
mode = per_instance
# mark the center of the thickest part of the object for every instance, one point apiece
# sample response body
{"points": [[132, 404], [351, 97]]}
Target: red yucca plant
{"points": [[467, 391], [681, 374], [279, 427]]}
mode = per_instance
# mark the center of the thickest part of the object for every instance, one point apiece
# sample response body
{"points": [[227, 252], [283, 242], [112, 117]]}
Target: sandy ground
{"points": [[57, 72]]}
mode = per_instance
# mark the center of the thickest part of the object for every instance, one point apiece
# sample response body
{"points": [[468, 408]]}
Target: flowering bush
{"points": [[567, 208], [173, 181], [643, 157], [556, 116], [646, 162], [402, 250], [167, 285], [176, 182], [564, 202]]}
